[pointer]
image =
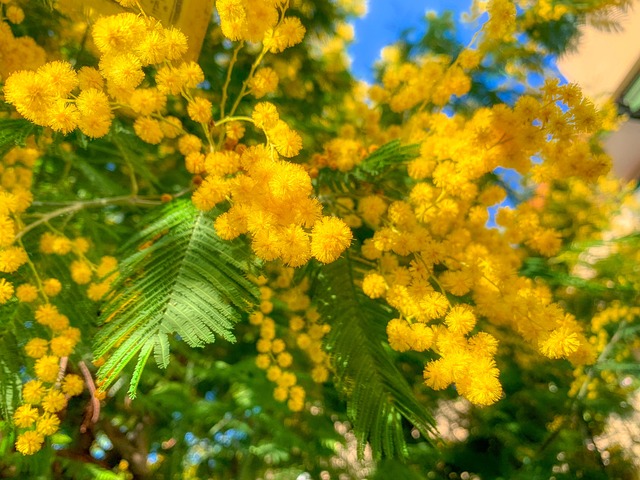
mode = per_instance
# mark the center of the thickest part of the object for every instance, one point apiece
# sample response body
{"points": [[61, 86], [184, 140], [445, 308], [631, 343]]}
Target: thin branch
{"points": [[92, 390], [77, 206], [63, 368], [227, 81], [585, 385]]}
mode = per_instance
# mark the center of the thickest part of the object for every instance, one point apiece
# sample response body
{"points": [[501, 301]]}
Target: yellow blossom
{"points": [[265, 115], [329, 238], [62, 346], [263, 82], [47, 368], [560, 343], [36, 347], [48, 424], [374, 285], [12, 258], [148, 129], [200, 110], [54, 401], [286, 141], [29, 442], [6, 290], [25, 416], [52, 287], [33, 391], [72, 385]]}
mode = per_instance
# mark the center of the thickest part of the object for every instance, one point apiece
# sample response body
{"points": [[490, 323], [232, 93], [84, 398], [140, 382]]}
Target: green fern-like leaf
{"points": [[77, 470], [10, 383], [375, 167], [14, 131], [182, 279], [378, 396]]}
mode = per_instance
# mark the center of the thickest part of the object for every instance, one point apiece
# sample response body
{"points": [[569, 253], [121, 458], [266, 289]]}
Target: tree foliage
{"points": [[332, 278]]}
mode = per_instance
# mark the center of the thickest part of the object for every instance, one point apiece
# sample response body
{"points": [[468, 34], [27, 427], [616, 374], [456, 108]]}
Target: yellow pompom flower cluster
{"points": [[247, 19], [304, 331], [18, 53], [260, 21], [434, 80], [273, 357], [577, 209], [341, 154], [542, 11], [502, 20], [271, 202], [437, 263], [47, 395], [264, 81], [15, 197], [44, 97], [105, 273], [38, 417], [82, 270], [127, 43], [604, 326]]}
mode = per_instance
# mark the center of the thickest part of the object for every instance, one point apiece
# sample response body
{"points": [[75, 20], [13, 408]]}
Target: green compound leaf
{"points": [[379, 398], [178, 278]]}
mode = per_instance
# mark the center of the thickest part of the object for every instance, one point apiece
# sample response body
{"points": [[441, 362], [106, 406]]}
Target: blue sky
{"points": [[384, 22]]}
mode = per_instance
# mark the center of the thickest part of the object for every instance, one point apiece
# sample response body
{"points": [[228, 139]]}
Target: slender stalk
{"points": [[234, 119], [77, 206], [34, 271], [225, 87], [95, 414], [245, 84]]}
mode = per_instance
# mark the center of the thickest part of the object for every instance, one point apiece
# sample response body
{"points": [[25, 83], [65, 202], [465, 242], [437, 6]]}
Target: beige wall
{"points": [[603, 66], [604, 59]]}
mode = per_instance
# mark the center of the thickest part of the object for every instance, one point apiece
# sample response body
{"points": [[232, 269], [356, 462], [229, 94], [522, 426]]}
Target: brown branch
{"points": [[95, 403]]}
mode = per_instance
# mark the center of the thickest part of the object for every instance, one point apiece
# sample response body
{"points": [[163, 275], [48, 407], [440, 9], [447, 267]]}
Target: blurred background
{"points": [[606, 62]]}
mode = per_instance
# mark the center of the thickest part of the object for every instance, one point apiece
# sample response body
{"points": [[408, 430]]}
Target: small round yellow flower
{"points": [[29, 442], [374, 285], [6, 290], [25, 416], [80, 272], [36, 347], [278, 346], [12, 258], [48, 424], [33, 391], [62, 346], [47, 368], [284, 359], [263, 361], [54, 401], [148, 129], [200, 110], [14, 14], [52, 287], [280, 394], [329, 238], [319, 374], [460, 319], [274, 373]]}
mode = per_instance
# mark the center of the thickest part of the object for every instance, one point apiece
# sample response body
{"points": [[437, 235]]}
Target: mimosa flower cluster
{"points": [[304, 332], [46, 394], [438, 265], [456, 286]]}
